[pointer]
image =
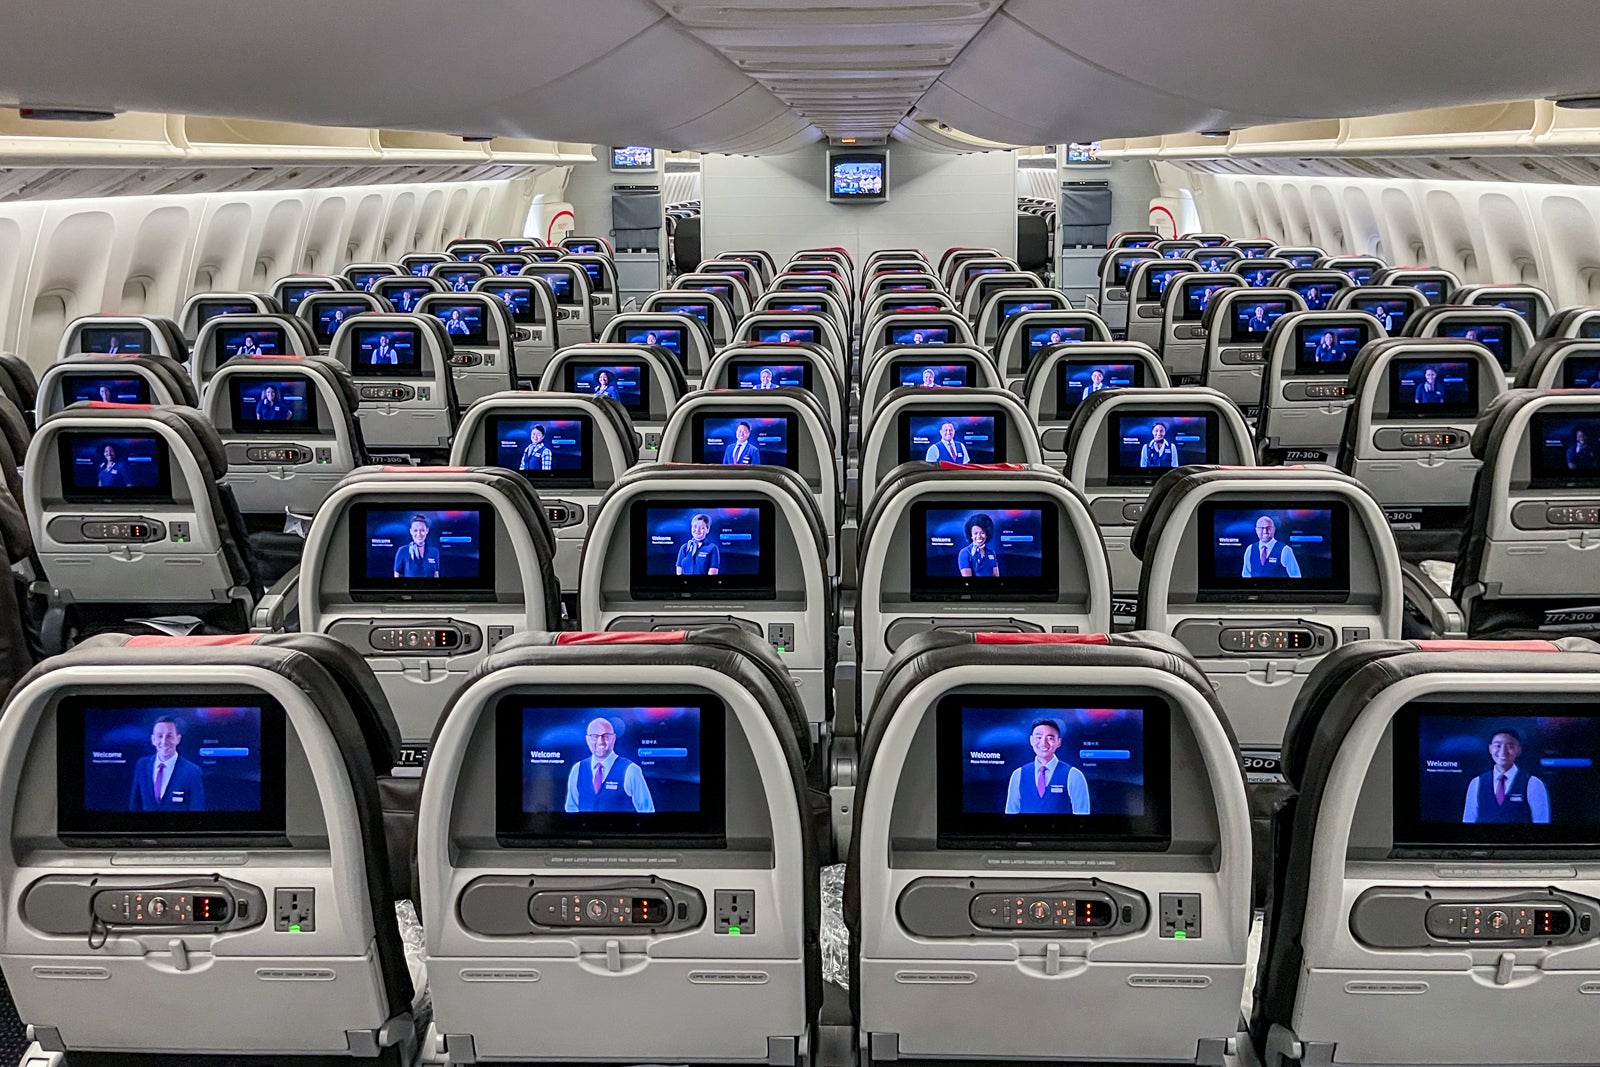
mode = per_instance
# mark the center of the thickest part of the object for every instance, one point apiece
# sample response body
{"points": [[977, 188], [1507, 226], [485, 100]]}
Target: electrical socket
{"points": [[735, 911], [1180, 915], [294, 910]]}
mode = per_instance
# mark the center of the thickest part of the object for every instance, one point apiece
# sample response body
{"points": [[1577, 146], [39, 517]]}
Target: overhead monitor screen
{"points": [[103, 389], [983, 551], [248, 342], [1143, 447], [760, 375], [1253, 319], [1392, 314], [390, 351], [551, 452], [609, 772], [1040, 774], [1566, 449], [858, 177], [786, 335], [273, 405], [1083, 152], [114, 340], [626, 383], [161, 770], [1327, 349], [1433, 388], [960, 439], [747, 440], [920, 335], [633, 157], [708, 550], [1263, 550], [1496, 776], [1079, 381], [1491, 335], [114, 468], [330, 315], [427, 552], [933, 375]]}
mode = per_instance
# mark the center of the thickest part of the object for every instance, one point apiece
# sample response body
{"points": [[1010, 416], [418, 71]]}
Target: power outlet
{"points": [[735, 911], [1180, 915], [294, 911], [780, 635]]}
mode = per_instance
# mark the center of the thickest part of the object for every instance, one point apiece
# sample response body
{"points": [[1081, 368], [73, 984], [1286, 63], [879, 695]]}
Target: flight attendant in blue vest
{"points": [[1269, 557], [1045, 785], [606, 781], [1504, 793]]}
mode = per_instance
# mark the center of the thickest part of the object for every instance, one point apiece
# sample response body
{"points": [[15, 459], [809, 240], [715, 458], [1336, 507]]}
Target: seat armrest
{"points": [[1431, 603], [278, 605]]}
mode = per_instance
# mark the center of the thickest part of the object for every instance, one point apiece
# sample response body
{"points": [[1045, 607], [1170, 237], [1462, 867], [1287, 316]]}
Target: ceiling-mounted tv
{"points": [[633, 157], [858, 177]]}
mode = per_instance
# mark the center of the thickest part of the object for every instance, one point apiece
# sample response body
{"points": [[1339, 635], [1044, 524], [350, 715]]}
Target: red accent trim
{"points": [[423, 470], [983, 466], [1170, 218], [550, 230], [110, 404], [1041, 639], [642, 637], [1486, 646], [204, 641]]}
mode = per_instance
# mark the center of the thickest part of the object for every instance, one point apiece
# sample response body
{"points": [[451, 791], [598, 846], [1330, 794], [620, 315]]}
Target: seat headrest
{"points": [[190, 426], [1173, 486]]}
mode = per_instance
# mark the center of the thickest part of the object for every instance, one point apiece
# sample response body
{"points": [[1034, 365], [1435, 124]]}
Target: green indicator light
{"points": [[294, 928], [733, 929], [1179, 934]]}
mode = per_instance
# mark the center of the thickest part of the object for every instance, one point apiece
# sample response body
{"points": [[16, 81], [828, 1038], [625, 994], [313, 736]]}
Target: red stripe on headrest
{"points": [[1041, 639], [204, 641], [640, 637], [1485, 646], [428, 470], [982, 466], [110, 404]]}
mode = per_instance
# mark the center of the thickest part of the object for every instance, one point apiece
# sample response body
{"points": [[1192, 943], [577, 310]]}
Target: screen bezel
{"points": [[516, 828], [582, 478], [837, 158], [79, 827], [618, 162], [365, 589], [1002, 431], [1146, 476], [762, 585], [1211, 588], [1045, 588], [160, 493], [1410, 836], [791, 421], [956, 829], [285, 428]]}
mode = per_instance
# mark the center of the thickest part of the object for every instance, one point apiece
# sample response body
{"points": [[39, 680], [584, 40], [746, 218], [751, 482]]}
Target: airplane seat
{"points": [[236, 336], [749, 278], [569, 283], [1261, 572], [1532, 303], [507, 263], [687, 249], [1120, 887], [766, 267], [964, 274], [647, 380], [1361, 269], [1534, 520], [1504, 332], [419, 264], [1236, 326], [1259, 273], [258, 875], [124, 379], [1435, 284], [291, 289], [913, 543], [794, 327], [1116, 267], [532, 304], [1133, 239], [326, 312], [1566, 363], [15, 437], [482, 335], [1399, 874], [703, 905], [784, 428], [663, 529], [985, 286], [681, 334], [458, 275], [792, 366], [401, 367], [922, 367], [1305, 389], [424, 614], [714, 312], [896, 301], [1318, 288], [1392, 305], [1408, 432], [201, 308], [931, 328], [123, 335], [1252, 248], [1300, 257], [1061, 377], [1113, 458], [986, 426], [1002, 304], [734, 294], [1581, 321], [1184, 340], [1033, 243], [19, 384], [22, 608], [1026, 334], [129, 511], [951, 260], [1147, 286], [578, 244], [1177, 247], [584, 445], [290, 429], [811, 303], [364, 277], [1218, 259]]}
